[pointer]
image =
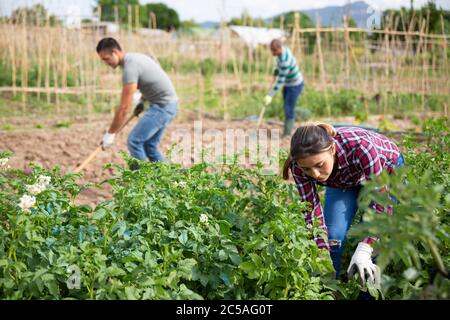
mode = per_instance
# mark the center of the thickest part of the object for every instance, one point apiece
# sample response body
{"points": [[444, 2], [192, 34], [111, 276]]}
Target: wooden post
{"points": [[347, 54], [24, 64], [153, 20], [201, 86], [130, 19], [322, 66], [55, 86], [12, 52], [387, 27], [81, 71], [444, 44], [137, 18], [116, 15], [224, 72], [237, 75], [425, 62], [48, 42], [420, 50], [39, 54], [444, 56], [295, 32], [64, 57]]}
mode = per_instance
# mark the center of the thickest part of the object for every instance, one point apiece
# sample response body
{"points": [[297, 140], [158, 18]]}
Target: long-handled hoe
{"points": [[100, 147]]}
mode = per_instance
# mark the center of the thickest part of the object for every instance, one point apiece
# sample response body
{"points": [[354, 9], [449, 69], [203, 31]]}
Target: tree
{"points": [[429, 11], [305, 22], [189, 24], [166, 18], [246, 20], [108, 9], [34, 15]]}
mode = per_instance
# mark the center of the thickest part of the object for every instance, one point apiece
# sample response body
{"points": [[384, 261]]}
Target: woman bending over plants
{"points": [[341, 160]]}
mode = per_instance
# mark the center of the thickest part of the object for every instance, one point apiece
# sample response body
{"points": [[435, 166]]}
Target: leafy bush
{"points": [[414, 250], [168, 233]]}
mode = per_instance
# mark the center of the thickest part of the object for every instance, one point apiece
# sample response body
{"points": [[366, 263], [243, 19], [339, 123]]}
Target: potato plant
{"points": [[167, 233]]}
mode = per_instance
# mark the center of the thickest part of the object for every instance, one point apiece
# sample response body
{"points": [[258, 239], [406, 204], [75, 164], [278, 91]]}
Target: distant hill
{"points": [[209, 24], [332, 16]]}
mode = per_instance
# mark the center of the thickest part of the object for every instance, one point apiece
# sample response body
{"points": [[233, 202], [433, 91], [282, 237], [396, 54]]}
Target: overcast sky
{"points": [[207, 10]]}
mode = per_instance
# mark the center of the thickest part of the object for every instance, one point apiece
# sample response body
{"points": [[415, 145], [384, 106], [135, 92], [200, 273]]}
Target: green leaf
{"points": [[99, 214], [131, 293], [225, 227], [183, 237]]}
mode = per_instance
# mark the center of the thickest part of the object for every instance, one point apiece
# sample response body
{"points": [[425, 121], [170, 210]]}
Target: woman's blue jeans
{"points": [[145, 137], [339, 210]]}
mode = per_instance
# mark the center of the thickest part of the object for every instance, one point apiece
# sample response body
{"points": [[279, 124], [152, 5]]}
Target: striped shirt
{"points": [[360, 154], [289, 74]]}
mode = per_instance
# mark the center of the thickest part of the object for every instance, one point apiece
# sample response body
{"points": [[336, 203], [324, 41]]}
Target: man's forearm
{"points": [[119, 119]]}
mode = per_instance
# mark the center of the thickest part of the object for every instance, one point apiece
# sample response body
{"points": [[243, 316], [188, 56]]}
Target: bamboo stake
{"points": [[153, 19], [295, 32], [116, 15], [444, 45], [201, 85], [137, 18], [425, 63], [12, 51], [322, 66], [81, 67], [418, 54], [39, 53], [64, 58], [237, 75], [130, 20], [444, 56], [47, 56], [391, 32], [347, 54], [24, 64], [55, 86]]}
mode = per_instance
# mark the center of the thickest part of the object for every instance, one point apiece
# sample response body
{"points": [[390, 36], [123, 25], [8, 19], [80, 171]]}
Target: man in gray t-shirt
{"points": [[140, 72]]}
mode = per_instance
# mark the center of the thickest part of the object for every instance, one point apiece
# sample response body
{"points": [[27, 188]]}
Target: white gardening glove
{"points": [[108, 140], [267, 100], [136, 98], [138, 103], [362, 261]]}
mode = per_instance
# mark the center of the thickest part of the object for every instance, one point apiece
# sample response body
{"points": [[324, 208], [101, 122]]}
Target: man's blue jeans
{"points": [[145, 137], [290, 97], [339, 210]]}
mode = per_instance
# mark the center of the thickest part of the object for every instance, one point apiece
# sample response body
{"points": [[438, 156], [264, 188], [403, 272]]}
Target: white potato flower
{"points": [[181, 184], [35, 189], [44, 181], [203, 218], [4, 163], [27, 202]]}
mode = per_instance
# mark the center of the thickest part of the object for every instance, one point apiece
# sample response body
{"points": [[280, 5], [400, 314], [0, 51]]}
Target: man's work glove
{"points": [[362, 261], [138, 109], [138, 103], [267, 100], [108, 140]]}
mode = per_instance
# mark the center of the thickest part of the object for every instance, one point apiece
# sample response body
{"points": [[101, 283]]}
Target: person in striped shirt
{"points": [[288, 77], [341, 160]]}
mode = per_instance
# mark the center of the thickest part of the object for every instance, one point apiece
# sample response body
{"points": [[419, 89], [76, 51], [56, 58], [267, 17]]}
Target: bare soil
{"points": [[67, 147]]}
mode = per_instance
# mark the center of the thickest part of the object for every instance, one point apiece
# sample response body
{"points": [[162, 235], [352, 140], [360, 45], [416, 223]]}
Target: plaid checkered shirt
{"points": [[360, 154]]}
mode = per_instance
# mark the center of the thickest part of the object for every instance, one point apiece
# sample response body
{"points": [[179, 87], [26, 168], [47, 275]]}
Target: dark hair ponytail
{"points": [[308, 140]]}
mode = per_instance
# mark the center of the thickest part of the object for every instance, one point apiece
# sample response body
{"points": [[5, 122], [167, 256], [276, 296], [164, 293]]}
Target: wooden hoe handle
{"points": [[99, 148]]}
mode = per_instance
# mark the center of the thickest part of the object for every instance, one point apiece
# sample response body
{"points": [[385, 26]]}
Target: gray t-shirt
{"points": [[151, 79]]}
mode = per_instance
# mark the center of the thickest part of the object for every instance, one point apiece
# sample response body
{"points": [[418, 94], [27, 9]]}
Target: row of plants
{"points": [[167, 233], [217, 233]]}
